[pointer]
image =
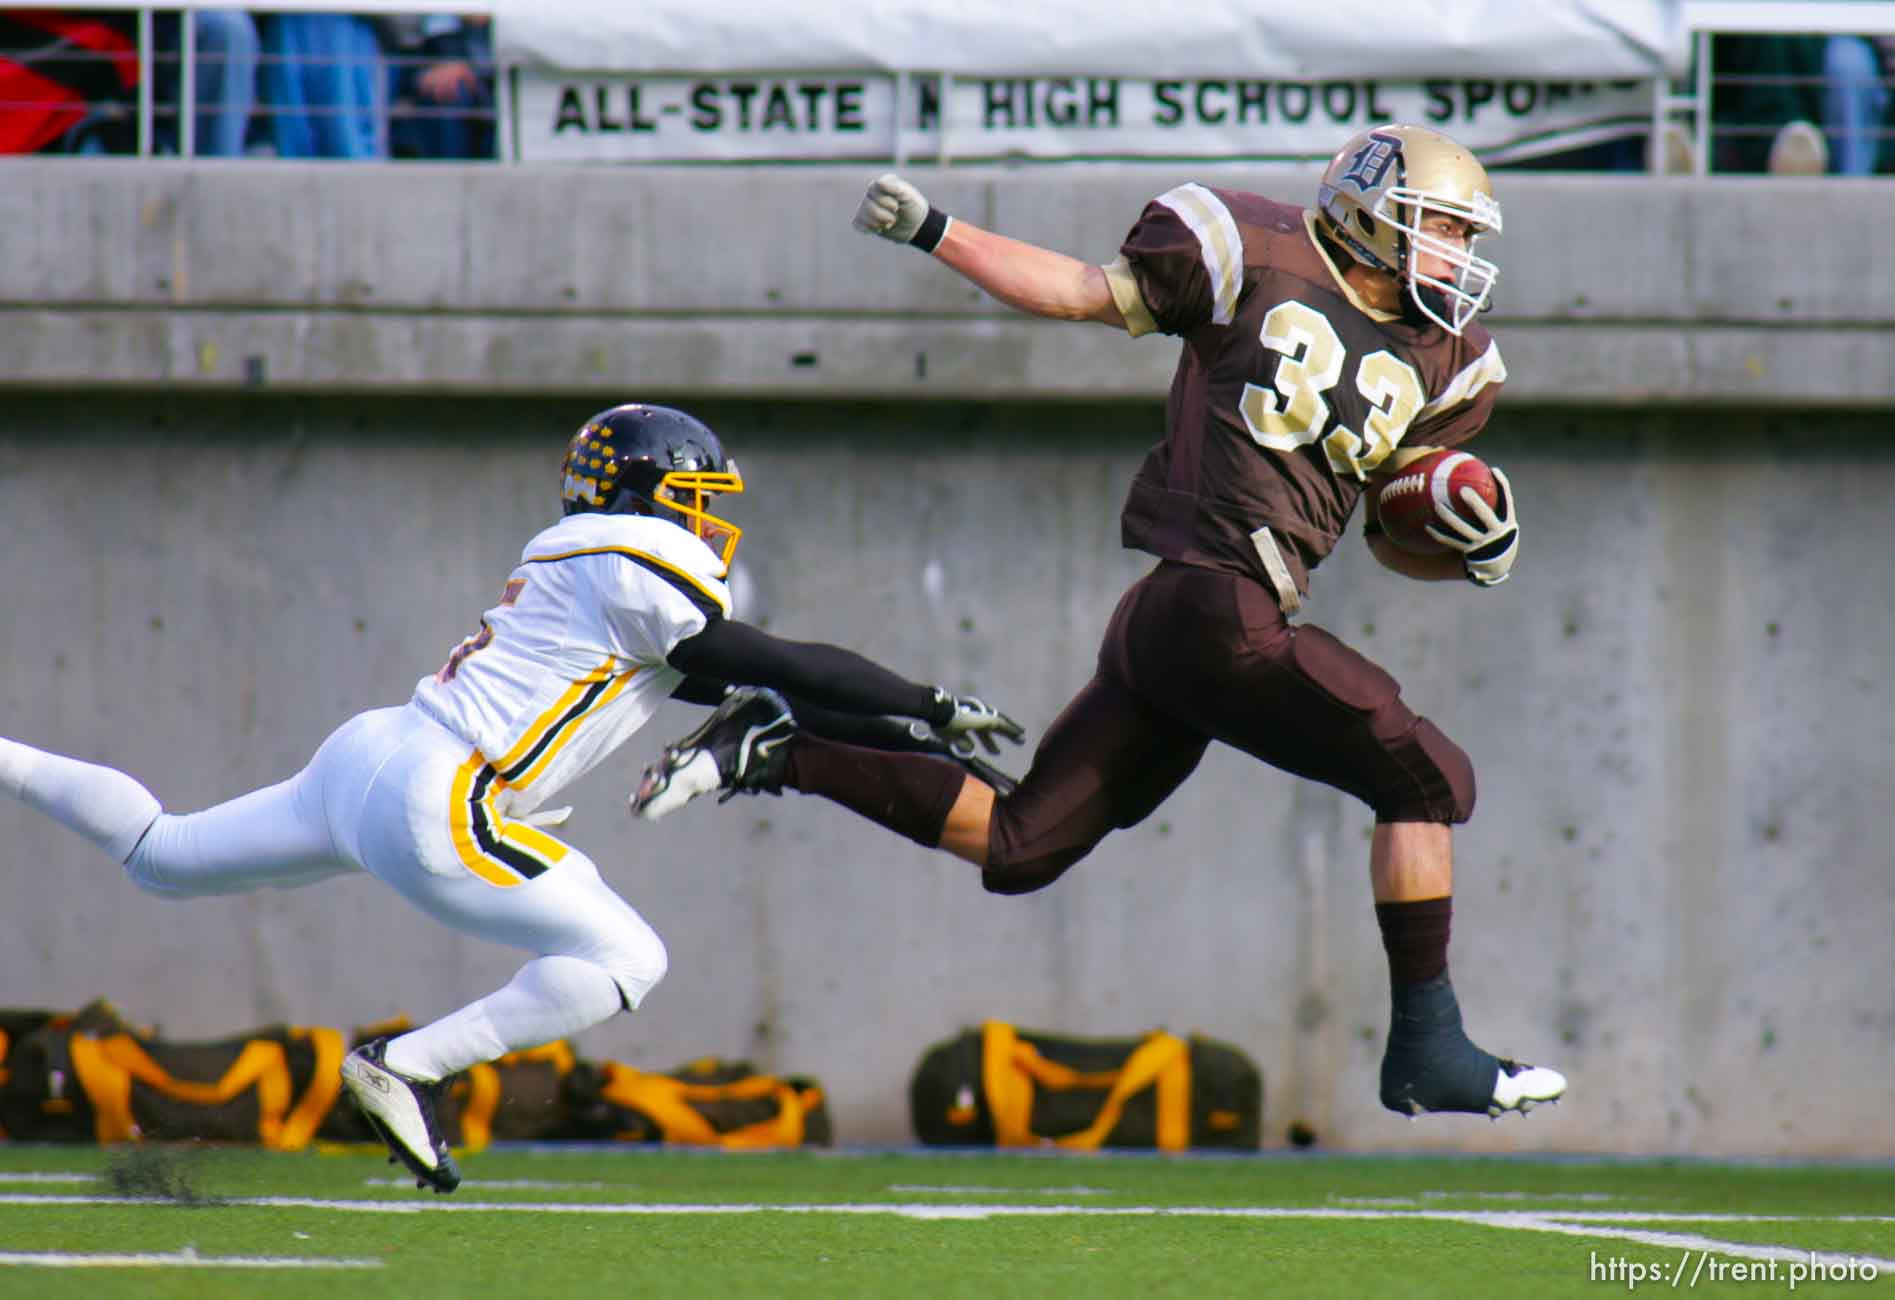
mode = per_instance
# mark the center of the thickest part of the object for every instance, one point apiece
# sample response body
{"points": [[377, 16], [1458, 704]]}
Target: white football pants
{"points": [[392, 793]]}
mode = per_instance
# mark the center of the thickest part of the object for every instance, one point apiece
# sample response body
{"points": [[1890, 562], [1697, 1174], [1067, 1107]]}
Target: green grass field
{"points": [[584, 1222]]}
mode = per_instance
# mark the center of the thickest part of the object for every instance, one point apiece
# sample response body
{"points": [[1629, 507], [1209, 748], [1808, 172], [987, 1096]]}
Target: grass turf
{"points": [[423, 1246]]}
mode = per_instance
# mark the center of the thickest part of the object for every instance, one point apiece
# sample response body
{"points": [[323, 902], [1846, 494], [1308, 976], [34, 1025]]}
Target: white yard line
{"points": [[529, 1184], [1570, 1223], [1557, 1198], [1591, 1198], [48, 1178], [1685, 1242], [176, 1259], [929, 1189]]}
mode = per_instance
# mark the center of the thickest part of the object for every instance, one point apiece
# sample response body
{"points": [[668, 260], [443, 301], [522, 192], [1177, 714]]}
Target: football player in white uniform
{"points": [[615, 608]]}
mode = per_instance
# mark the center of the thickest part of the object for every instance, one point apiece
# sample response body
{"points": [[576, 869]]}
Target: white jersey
{"points": [[571, 661]]}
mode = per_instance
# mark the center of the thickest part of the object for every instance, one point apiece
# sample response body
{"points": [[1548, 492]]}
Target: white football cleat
{"points": [[1522, 1087], [401, 1111], [739, 749], [674, 781]]}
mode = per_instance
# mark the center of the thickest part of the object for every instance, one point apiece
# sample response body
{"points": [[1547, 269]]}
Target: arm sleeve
{"points": [[869, 730], [824, 675], [708, 691], [1458, 417], [1455, 426], [1184, 258], [1461, 410]]}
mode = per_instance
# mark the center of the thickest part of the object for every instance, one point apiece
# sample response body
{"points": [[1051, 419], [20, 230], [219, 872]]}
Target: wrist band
{"points": [[932, 230]]}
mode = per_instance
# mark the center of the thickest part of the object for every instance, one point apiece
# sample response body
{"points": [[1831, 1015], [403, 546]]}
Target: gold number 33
{"points": [[1292, 413]]}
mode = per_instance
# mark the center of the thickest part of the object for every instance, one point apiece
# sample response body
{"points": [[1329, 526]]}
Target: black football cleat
{"points": [[401, 1111], [740, 749]]}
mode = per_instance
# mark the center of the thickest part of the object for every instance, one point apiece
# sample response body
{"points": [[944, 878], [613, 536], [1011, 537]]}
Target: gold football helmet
{"points": [[1375, 195]]}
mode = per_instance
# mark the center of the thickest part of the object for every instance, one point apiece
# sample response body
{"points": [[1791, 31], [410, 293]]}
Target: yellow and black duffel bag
{"points": [[91, 1077], [16, 1025], [1002, 1086], [521, 1097], [708, 1102]]}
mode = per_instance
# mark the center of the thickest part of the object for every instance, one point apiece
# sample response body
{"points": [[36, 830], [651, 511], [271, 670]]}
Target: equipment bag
{"points": [[88, 1076], [1001, 1086], [15, 1027], [91, 1077], [709, 1102], [521, 1097]]}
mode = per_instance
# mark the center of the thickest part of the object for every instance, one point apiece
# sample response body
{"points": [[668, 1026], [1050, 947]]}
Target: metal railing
{"points": [[1684, 106]]}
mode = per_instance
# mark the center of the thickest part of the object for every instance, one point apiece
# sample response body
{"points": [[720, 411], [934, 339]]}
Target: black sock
{"points": [[1415, 937], [910, 794]]}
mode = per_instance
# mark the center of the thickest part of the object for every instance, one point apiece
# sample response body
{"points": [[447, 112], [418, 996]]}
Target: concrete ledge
{"points": [[1614, 288], [839, 359]]}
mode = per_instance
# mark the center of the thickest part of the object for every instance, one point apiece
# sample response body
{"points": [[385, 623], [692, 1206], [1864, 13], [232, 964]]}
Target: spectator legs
{"points": [[226, 72], [1854, 100], [324, 82]]}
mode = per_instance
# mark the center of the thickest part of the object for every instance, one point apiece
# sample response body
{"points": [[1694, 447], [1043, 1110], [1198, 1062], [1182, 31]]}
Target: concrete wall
{"points": [[270, 437], [1616, 290], [1677, 887]]}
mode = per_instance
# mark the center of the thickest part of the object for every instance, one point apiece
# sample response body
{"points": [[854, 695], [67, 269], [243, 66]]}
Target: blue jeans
{"points": [[1854, 100], [325, 86], [226, 71]]}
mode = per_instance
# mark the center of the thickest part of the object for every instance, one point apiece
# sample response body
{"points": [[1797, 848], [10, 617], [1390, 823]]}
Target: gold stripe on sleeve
{"points": [[1130, 302]]}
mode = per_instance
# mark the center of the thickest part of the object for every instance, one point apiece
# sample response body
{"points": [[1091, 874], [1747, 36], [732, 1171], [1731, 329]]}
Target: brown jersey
{"points": [[1289, 390]]}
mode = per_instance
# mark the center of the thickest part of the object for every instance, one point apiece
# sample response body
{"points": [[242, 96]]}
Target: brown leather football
{"points": [[1410, 501]]}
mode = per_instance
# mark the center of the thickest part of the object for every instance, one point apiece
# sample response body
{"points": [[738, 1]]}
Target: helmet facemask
{"points": [[688, 493], [1449, 303], [1380, 190]]}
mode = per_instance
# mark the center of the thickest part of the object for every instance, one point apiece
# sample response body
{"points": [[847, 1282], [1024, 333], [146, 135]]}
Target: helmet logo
{"points": [[591, 472], [1371, 163]]}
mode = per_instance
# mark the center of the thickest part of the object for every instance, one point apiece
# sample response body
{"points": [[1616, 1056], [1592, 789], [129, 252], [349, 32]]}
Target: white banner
{"points": [[868, 117], [1296, 40]]}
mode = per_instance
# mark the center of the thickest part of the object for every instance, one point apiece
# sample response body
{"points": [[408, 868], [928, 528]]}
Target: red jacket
{"points": [[54, 64]]}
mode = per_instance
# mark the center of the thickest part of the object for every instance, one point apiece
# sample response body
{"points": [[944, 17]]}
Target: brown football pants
{"points": [[1193, 655]]}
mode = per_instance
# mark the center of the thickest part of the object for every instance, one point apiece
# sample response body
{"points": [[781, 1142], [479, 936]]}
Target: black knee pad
{"points": [[1436, 782]]}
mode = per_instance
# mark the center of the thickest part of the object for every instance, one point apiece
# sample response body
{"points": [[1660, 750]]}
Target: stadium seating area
{"points": [[425, 87]]}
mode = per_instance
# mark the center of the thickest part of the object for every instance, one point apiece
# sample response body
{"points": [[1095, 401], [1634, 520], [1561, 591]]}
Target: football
{"points": [[1407, 503]]}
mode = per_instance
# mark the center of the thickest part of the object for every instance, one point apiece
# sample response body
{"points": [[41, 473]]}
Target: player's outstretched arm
{"points": [[1022, 275], [863, 730], [835, 678]]}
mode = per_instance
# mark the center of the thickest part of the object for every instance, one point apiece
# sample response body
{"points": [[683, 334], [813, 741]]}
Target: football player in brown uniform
{"points": [[1323, 349]]}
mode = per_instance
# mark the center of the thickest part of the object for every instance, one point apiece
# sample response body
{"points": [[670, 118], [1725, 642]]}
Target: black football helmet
{"points": [[652, 460]]}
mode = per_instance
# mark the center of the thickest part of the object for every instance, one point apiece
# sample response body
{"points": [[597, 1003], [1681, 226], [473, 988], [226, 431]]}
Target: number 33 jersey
{"points": [[572, 660], [1290, 389]]}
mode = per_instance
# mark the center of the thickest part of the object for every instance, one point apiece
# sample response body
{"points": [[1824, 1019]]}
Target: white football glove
{"points": [[961, 720], [896, 210], [1487, 551]]}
